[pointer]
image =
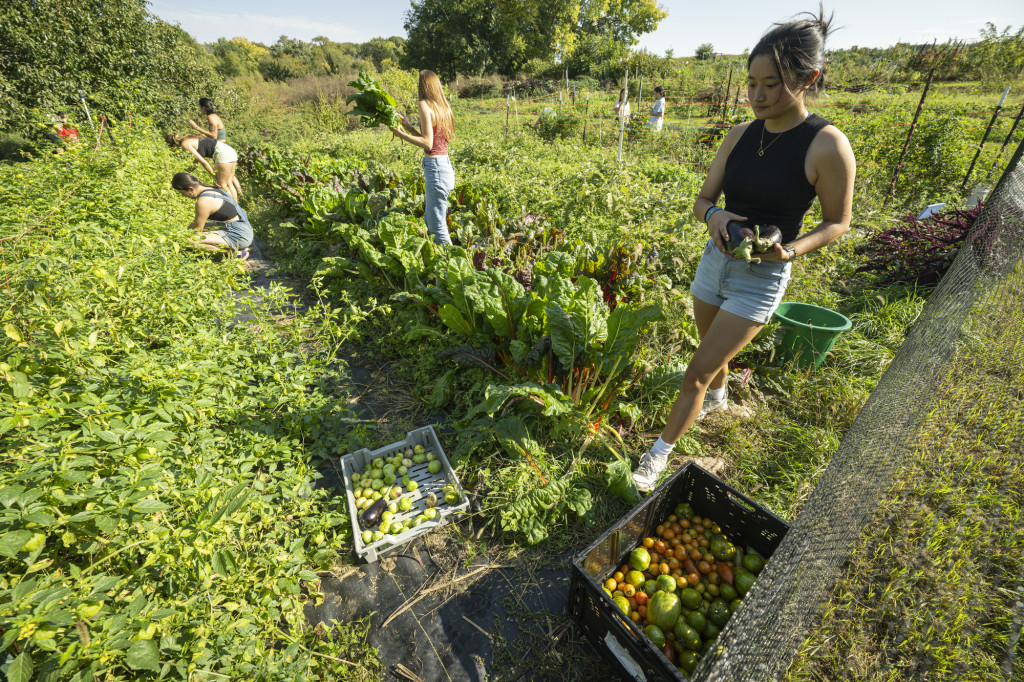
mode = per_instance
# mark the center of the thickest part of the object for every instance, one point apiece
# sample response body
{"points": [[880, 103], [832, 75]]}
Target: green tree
{"points": [[122, 57], [705, 51]]}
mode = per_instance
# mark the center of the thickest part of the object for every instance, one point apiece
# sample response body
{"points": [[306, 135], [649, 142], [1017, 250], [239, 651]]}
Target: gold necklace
{"points": [[761, 149]]}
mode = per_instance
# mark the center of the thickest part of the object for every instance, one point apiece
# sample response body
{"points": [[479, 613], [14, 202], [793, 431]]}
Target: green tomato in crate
{"points": [[710, 631], [385, 527], [663, 610], [355, 479], [405, 481], [393, 507], [389, 479], [655, 634], [407, 462], [434, 467], [396, 492], [367, 537], [376, 495], [418, 459], [377, 474], [753, 563], [640, 559], [742, 581], [402, 470], [734, 604], [389, 470], [718, 612], [727, 592], [413, 485], [452, 498], [387, 516], [378, 463], [688, 661], [431, 457], [430, 514], [687, 635], [666, 583], [405, 504], [417, 521], [377, 535], [418, 450]]}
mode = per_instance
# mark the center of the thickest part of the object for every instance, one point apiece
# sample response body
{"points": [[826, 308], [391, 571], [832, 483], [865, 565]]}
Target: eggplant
{"points": [[372, 514], [745, 241]]}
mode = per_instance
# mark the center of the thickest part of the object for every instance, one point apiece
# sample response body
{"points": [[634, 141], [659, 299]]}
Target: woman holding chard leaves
{"points": [[437, 129], [770, 170]]}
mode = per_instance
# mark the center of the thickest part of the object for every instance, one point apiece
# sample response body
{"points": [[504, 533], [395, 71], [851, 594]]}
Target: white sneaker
{"points": [[651, 466], [713, 406]]}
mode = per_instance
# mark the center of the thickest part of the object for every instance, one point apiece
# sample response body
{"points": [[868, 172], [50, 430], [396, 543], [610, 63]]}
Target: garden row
{"points": [[158, 515]]}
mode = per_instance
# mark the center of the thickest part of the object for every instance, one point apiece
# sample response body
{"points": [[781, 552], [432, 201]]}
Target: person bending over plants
{"points": [[770, 170], [224, 158], [214, 204], [217, 131], [437, 130]]}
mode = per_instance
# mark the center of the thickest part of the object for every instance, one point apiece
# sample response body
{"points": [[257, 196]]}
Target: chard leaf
{"points": [[565, 337], [619, 475], [624, 325], [454, 319]]}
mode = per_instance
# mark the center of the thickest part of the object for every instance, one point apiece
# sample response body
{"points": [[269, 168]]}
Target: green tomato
{"points": [[419, 459], [434, 467], [405, 504], [376, 496], [417, 521], [377, 535], [355, 478], [378, 463], [431, 457], [393, 508], [396, 492], [367, 537], [402, 470], [385, 527], [412, 485], [405, 481], [451, 498], [34, 543], [389, 469], [418, 450], [387, 516], [430, 514], [389, 479], [377, 474]]}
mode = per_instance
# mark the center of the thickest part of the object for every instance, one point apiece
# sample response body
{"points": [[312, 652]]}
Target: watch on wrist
{"points": [[790, 250]]}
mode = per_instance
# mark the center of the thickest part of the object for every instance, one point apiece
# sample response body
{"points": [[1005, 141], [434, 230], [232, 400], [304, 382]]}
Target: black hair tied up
{"points": [[797, 48], [206, 104]]}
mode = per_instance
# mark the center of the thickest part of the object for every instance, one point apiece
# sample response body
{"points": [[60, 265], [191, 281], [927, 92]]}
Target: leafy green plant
{"points": [[373, 104]]}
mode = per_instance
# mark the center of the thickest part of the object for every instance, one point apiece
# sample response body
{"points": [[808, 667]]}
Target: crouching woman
{"points": [[215, 205]]}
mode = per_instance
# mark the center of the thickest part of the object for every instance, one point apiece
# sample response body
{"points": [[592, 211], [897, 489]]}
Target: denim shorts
{"points": [[751, 290], [237, 234]]}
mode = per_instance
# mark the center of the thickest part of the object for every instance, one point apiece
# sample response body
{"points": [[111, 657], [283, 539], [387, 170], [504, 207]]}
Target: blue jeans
{"points": [[440, 181]]}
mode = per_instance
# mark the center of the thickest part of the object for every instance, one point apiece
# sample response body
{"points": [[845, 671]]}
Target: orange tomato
{"points": [[648, 543], [628, 590], [641, 598], [673, 562], [681, 582], [611, 584], [664, 568], [659, 547], [704, 567], [634, 616], [659, 530], [693, 579], [668, 534]]}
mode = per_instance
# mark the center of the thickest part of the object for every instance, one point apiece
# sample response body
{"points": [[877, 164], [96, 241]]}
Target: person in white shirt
{"points": [[657, 110], [622, 107]]}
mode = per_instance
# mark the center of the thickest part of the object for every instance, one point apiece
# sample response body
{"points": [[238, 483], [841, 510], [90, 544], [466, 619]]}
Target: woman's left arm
{"points": [[831, 169], [205, 206]]}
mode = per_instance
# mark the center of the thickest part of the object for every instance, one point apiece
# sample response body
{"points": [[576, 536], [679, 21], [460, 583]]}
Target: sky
{"points": [[730, 27]]}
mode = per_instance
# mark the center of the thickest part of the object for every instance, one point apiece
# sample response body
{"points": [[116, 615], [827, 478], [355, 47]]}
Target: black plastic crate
{"points": [[618, 639]]}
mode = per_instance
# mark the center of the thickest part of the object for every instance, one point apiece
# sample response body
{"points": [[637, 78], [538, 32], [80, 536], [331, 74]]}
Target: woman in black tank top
{"points": [[213, 204], [770, 170]]}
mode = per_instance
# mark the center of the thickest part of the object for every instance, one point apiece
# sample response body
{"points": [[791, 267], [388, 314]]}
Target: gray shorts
{"points": [[751, 290], [237, 234]]}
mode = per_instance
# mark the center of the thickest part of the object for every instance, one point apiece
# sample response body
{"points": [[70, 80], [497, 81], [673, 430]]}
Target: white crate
{"points": [[428, 483]]}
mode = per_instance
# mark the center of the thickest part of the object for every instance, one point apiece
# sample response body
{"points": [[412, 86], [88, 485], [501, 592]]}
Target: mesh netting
{"points": [[905, 563]]}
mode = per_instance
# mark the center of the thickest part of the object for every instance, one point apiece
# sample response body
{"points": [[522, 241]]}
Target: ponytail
{"points": [[797, 48]]}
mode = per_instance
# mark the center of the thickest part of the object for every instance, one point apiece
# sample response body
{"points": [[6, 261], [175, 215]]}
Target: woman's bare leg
{"points": [[226, 171], [725, 336], [210, 241]]}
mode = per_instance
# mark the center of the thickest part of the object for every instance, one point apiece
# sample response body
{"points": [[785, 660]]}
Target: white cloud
{"points": [[207, 27]]}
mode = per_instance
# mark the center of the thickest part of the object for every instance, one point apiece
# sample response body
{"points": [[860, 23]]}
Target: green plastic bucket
{"points": [[808, 333]]}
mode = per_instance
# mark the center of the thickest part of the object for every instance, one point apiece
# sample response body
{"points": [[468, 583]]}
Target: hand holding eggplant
{"points": [[744, 242]]}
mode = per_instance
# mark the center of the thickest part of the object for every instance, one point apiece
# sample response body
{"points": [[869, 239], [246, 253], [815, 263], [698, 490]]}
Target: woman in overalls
{"points": [[213, 204]]}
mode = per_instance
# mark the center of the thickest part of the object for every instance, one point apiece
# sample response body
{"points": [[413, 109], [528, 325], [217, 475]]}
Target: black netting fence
{"points": [[906, 562]]}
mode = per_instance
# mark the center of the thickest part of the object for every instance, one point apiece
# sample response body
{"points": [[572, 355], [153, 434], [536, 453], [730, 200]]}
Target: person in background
{"points": [[224, 158], [216, 131], [68, 132], [216, 125], [622, 107], [437, 130], [771, 170], [657, 117], [213, 204]]}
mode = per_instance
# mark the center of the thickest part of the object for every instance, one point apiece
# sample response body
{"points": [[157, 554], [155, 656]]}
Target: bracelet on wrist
{"points": [[710, 212]]}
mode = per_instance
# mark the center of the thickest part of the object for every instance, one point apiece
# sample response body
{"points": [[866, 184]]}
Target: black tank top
{"points": [[226, 212], [206, 147], [772, 189]]}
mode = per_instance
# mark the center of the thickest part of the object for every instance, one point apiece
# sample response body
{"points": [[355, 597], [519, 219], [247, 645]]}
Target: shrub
{"points": [[481, 87], [14, 147], [564, 124]]}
